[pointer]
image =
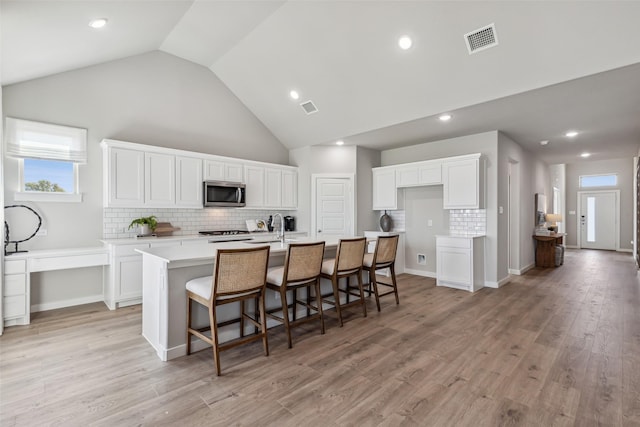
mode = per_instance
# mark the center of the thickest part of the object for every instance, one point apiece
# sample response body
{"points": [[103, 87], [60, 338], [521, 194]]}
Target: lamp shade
{"points": [[553, 218]]}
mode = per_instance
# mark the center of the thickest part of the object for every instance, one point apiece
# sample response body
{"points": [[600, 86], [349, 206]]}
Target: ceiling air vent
{"points": [[309, 107], [481, 39]]}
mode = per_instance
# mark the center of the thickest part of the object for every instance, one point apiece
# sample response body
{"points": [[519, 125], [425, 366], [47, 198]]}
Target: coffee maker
{"points": [[289, 223]]}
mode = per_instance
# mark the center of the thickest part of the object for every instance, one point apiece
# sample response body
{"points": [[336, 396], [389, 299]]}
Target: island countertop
{"points": [[208, 252]]}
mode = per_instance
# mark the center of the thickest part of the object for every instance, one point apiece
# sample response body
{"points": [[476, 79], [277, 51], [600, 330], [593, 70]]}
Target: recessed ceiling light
{"points": [[98, 23], [571, 134], [405, 42], [585, 155], [445, 117], [545, 142], [341, 142], [294, 94]]}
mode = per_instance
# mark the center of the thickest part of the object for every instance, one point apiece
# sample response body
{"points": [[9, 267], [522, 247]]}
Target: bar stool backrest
{"points": [[386, 247], [304, 261], [350, 254], [240, 270]]}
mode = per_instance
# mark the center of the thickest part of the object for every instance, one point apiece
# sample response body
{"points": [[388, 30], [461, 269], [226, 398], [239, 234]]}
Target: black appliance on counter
{"points": [[289, 223]]}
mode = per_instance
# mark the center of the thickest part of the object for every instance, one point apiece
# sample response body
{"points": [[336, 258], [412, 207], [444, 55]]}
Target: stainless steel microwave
{"points": [[223, 194]]}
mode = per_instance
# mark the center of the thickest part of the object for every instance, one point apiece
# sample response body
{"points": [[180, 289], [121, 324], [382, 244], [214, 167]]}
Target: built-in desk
{"points": [[546, 249], [16, 299]]}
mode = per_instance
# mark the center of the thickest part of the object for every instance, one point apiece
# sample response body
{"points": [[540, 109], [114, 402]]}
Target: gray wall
{"points": [[422, 204], [624, 169], [154, 99], [485, 143], [336, 160]]}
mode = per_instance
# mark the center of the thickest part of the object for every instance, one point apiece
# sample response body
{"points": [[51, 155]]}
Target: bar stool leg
{"points": [[364, 306], [285, 313], [374, 284], [336, 297]]}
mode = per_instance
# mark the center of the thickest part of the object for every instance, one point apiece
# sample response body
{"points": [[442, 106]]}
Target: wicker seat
{"points": [[301, 270], [384, 256], [347, 263], [239, 275]]}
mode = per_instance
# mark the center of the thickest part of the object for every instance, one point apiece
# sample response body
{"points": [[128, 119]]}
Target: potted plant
{"points": [[146, 225]]}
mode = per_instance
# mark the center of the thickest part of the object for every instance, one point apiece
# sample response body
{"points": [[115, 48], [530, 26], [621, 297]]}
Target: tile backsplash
{"points": [[472, 221], [190, 221]]}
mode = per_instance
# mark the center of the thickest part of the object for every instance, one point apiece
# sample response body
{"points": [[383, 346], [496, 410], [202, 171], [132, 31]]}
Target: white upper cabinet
{"points": [[159, 179], [385, 193], [139, 176], [125, 178], [418, 174], [216, 170], [462, 184], [289, 189], [189, 188], [254, 190], [461, 176], [271, 187]]}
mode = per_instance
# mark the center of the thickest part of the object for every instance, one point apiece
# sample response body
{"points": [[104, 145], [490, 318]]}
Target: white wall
{"points": [[624, 169], [367, 218], [156, 99]]}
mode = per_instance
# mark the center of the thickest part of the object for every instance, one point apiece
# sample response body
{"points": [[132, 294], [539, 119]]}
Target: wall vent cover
{"points": [[309, 107], [481, 39]]}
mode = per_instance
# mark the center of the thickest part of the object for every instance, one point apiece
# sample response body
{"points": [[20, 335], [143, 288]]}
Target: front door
{"points": [[334, 207], [598, 220]]}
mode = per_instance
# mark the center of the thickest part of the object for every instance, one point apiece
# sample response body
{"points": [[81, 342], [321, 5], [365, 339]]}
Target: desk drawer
{"points": [[14, 306], [68, 261], [15, 284], [15, 266]]}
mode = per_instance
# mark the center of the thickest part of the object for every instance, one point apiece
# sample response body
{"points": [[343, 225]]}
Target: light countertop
{"points": [[462, 235], [151, 239]]}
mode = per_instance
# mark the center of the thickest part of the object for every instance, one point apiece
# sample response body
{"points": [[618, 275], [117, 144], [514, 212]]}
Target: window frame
{"points": [[45, 196], [596, 175]]}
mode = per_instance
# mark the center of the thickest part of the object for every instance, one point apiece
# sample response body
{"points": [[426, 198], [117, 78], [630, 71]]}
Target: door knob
{"points": [[319, 231]]}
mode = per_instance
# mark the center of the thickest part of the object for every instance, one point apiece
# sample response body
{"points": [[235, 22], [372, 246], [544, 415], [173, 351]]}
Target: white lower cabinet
{"points": [[15, 299], [460, 262], [123, 277]]}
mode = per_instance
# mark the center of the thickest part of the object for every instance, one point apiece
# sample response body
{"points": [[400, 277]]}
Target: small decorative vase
{"points": [[385, 222], [144, 230]]}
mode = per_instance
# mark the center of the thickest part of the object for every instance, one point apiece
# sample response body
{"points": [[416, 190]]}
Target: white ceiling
{"points": [[559, 65]]}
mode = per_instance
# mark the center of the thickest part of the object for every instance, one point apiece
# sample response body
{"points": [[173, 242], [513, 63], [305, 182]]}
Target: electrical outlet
{"points": [[42, 232], [429, 223], [422, 259]]}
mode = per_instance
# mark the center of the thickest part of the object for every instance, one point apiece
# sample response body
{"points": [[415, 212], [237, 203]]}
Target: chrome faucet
{"points": [[279, 234]]}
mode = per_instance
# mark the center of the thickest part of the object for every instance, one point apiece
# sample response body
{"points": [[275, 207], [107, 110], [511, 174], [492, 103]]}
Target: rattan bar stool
{"points": [[347, 263], [301, 269], [384, 256], [239, 275]]}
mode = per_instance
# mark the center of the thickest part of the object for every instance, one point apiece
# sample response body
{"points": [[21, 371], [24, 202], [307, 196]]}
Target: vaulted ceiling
{"points": [[558, 65]]}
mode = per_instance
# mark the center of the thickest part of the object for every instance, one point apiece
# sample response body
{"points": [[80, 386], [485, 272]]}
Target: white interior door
{"points": [[598, 220], [334, 207]]}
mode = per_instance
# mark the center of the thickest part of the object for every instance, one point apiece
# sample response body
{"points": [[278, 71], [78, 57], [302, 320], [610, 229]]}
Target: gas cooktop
{"points": [[223, 232]]}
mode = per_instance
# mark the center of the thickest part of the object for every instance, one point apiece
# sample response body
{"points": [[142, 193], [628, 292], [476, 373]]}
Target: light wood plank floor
{"points": [[553, 347]]}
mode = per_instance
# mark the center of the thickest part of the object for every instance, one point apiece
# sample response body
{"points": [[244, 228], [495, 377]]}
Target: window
{"points": [[606, 180], [49, 156]]}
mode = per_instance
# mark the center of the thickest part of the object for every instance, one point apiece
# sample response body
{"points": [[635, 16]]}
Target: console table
{"points": [[546, 249]]}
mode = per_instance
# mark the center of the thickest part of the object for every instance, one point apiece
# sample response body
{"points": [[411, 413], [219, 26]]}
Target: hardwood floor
{"points": [[553, 347]]}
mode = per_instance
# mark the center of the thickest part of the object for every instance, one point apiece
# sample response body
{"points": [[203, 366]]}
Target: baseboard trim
{"points": [[626, 250], [572, 246], [499, 283], [522, 270], [420, 273], [66, 303]]}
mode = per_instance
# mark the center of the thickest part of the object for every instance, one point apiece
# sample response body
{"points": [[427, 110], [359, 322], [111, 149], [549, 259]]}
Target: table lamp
{"points": [[553, 220]]}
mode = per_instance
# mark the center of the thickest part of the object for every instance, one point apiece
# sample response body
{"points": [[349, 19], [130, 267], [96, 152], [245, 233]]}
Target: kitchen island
{"points": [[165, 272]]}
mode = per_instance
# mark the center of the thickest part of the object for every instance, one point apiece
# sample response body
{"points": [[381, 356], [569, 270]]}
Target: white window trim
{"points": [[598, 186], [42, 196]]}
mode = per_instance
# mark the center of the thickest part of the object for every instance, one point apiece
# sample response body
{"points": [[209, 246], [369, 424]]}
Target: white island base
{"points": [[165, 272]]}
